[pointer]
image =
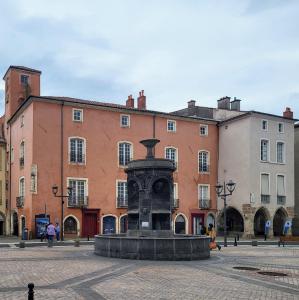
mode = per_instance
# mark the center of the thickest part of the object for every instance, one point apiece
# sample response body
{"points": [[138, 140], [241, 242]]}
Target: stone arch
{"points": [[180, 224], [123, 223], [71, 225], [234, 221], [279, 219], [261, 216], [2, 223], [109, 224]]}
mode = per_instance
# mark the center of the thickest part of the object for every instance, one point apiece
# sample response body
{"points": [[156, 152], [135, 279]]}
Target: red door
{"points": [[90, 222]]}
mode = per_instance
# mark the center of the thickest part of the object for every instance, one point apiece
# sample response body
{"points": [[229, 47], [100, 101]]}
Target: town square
{"points": [[149, 149]]}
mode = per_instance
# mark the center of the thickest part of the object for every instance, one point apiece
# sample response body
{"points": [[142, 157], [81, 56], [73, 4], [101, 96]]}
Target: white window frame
{"points": [[176, 160], [131, 152], [174, 125], [284, 182], [269, 187], [116, 191], [198, 191], [175, 190], [22, 156], [129, 121], [68, 179], [268, 150], [83, 151], [283, 152], [208, 161], [24, 191], [73, 115], [206, 129], [267, 125], [33, 172], [282, 126]]}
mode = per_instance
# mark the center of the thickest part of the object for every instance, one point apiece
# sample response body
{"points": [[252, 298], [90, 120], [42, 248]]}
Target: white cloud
{"points": [[175, 50]]}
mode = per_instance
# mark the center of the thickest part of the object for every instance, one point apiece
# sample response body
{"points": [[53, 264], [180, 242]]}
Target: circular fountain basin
{"points": [[187, 247]]}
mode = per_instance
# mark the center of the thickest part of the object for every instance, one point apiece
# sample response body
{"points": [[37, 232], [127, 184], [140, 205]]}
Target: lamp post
{"points": [[223, 191], [55, 191]]}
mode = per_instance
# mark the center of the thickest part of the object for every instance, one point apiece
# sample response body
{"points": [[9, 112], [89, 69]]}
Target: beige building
{"points": [[257, 151], [3, 219], [295, 228]]}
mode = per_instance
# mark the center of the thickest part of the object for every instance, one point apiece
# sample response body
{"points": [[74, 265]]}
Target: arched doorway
{"points": [[70, 226], [109, 225], [123, 224], [210, 220], [15, 224], [2, 224], [279, 219], [260, 218], [180, 225], [23, 225], [234, 221]]}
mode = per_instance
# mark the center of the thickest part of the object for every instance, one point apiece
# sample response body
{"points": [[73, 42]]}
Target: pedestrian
{"points": [[50, 233], [203, 230], [57, 230], [212, 234]]}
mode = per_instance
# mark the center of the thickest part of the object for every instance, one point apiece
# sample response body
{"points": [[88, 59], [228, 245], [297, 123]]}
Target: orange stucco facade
{"points": [[45, 126]]}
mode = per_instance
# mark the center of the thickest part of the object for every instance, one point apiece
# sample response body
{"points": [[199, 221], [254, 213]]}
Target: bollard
{"points": [[31, 291], [254, 243], [77, 243], [238, 237], [235, 243], [22, 244], [88, 237], [265, 237]]}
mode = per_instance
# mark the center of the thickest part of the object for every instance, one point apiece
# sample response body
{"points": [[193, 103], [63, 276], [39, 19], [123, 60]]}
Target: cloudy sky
{"points": [[174, 50]]}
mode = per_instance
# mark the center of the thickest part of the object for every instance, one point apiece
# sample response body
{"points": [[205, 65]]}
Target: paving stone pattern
{"points": [[76, 273]]}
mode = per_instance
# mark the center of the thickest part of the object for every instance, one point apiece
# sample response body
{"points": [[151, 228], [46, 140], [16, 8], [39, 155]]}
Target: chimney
{"points": [[141, 100], [130, 102], [235, 104], [224, 103], [191, 103], [288, 113]]}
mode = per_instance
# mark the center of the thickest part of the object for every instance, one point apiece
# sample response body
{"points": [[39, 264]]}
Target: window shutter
{"points": [[280, 185], [265, 184]]}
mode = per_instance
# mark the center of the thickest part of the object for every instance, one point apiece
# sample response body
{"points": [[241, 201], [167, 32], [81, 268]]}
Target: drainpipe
{"points": [[61, 171]]}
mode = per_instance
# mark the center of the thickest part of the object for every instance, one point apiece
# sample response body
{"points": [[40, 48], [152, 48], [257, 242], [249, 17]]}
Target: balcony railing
{"points": [[77, 159], [77, 201], [122, 202], [20, 201], [176, 203], [265, 199], [21, 162], [281, 200], [204, 203], [204, 168]]}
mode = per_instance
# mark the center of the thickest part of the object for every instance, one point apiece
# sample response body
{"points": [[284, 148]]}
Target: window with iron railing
{"points": [[20, 202], [122, 194], [203, 196], [265, 188], [78, 196], [171, 154], [203, 162], [124, 153]]}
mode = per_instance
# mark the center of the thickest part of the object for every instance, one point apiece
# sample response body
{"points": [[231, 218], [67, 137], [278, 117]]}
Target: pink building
{"points": [[86, 145]]}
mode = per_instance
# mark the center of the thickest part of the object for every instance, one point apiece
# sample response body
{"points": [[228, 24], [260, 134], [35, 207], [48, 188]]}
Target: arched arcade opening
{"points": [[279, 220], [234, 221], [260, 218]]}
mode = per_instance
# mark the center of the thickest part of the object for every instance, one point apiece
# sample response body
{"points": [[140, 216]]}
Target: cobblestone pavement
{"points": [[76, 273]]}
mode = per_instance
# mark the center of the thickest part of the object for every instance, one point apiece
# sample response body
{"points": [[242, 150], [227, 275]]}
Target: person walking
{"points": [[212, 235], [57, 231], [51, 233]]}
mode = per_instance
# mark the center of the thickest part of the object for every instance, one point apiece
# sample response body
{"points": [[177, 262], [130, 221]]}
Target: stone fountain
{"points": [[150, 206]]}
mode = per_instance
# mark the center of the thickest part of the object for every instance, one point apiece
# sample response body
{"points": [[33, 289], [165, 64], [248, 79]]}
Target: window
{"points": [[22, 154], [33, 179], [124, 153], [280, 128], [12, 156], [171, 153], [204, 196], [77, 150], [70, 225], [264, 125], [203, 161], [280, 152], [265, 188], [125, 121], [264, 150], [24, 79], [175, 196], [22, 120], [280, 185], [77, 115], [78, 195], [203, 129], [122, 194], [22, 187], [171, 126]]}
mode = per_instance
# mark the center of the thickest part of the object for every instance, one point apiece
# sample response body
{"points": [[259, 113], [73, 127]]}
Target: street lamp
{"points": [[55, 191], [223, 191]]}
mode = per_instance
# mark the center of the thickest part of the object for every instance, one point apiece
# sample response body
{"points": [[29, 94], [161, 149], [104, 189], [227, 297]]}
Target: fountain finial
{"points": [[150, 144]]}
